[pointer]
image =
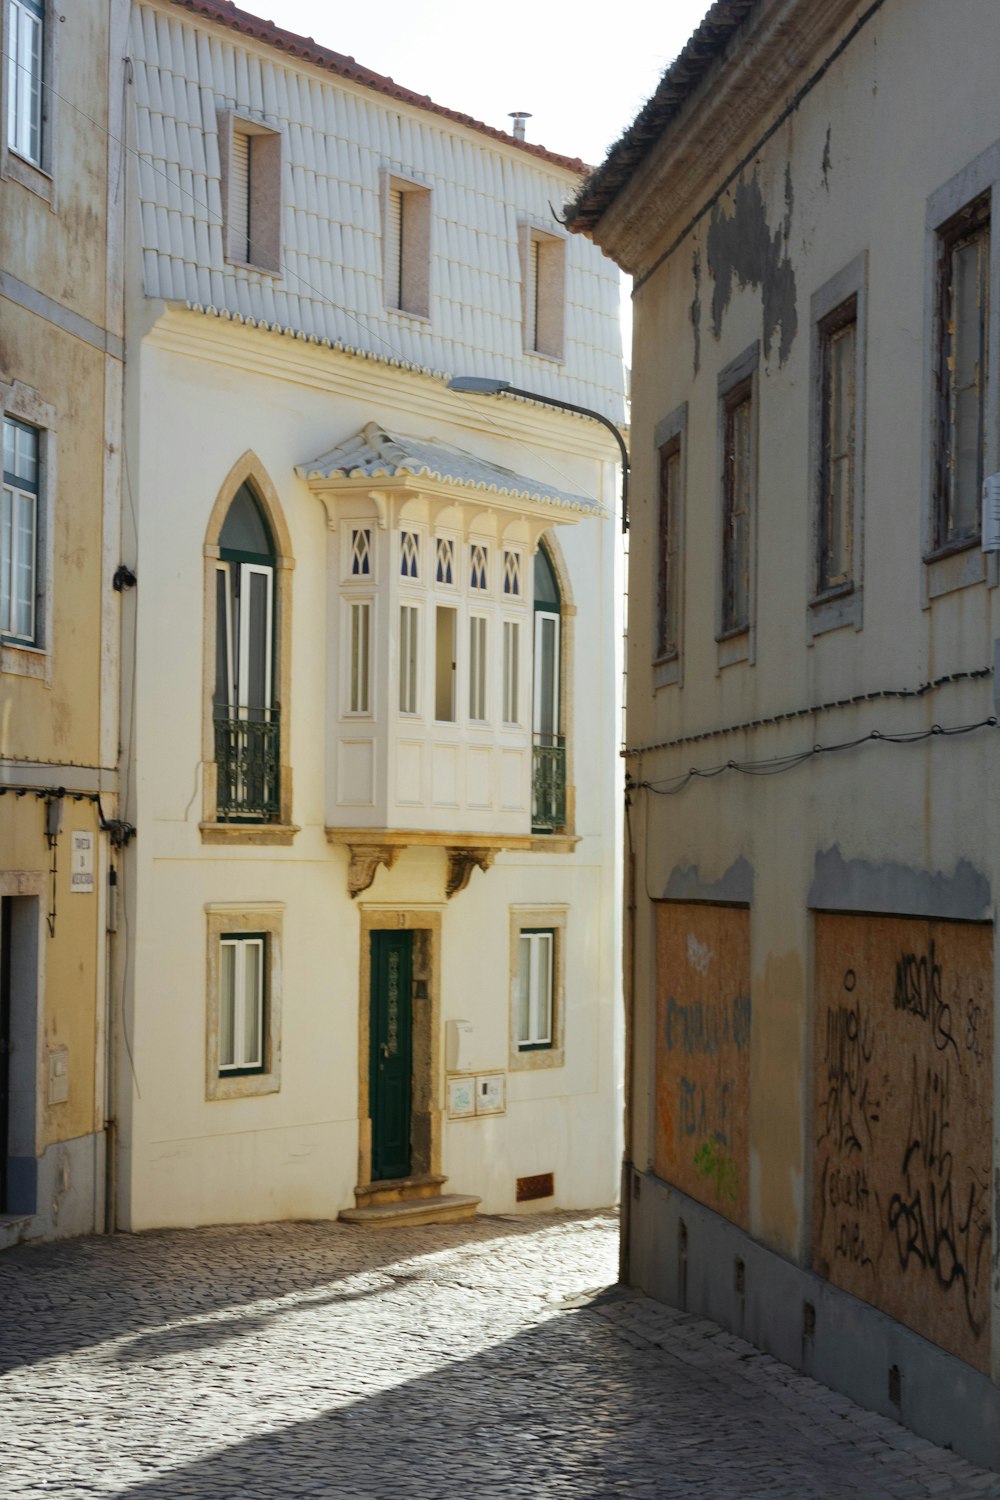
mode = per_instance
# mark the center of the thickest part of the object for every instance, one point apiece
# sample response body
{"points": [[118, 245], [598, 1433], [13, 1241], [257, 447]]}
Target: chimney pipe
{"points": [[519, 116]]}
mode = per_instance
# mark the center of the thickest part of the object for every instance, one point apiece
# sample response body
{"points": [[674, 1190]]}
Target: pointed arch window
{"points": [[548, 809], [244, 711]]}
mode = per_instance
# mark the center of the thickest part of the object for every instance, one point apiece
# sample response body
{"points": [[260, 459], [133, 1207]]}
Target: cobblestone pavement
{"points": [[321, 1360]]}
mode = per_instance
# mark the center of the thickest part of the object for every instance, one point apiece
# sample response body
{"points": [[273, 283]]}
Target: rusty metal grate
{"points": [[543, 1185]]}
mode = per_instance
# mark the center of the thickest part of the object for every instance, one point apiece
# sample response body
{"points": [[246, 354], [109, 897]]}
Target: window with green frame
{"points": [[242, 1002], [536, 989], [246, 715]]}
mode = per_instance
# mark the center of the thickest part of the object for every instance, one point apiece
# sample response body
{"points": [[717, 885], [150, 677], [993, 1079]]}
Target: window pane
{"points": [[227, 1005], [24, 566], [444, 665], [252, 996], [736, 559], [224, 699], [546, 675], [256, 690], [360, 623], [477, 668], [543, 987], [408, 659], [6, 557], [837, 499], [670, 468], [511, 651], [524, 992]]}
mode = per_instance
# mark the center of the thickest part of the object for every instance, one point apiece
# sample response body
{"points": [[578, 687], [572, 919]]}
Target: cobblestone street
{"points": [[322, 1360]]}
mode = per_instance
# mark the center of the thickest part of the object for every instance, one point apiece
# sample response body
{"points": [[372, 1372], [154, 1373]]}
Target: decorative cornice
{"points": [[261, 348], [734, 103]]}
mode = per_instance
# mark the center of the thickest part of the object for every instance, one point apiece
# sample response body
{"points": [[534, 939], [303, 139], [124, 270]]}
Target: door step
{"points": [[15, 1229], [443, 1208], [399, 1189]]}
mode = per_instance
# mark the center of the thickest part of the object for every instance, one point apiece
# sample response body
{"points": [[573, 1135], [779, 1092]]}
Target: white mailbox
{"points": [[458, 1046]]}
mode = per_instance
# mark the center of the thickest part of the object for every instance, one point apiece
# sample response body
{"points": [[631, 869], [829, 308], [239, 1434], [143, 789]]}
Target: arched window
{"points": [[548, 811], [245, 714]]}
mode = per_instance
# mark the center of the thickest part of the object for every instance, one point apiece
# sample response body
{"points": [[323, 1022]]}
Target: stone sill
{"points": [[280, 834]]}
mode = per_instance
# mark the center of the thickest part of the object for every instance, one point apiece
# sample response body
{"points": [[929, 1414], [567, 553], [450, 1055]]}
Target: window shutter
{"points": [[394, 249], [239, 196], [531, 313]]}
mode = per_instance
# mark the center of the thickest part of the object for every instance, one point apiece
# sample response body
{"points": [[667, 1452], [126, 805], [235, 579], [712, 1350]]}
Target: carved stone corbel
{"points": [[461, 863], [365, 860]]}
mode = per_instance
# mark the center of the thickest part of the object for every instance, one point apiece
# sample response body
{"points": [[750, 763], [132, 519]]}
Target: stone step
{"points": [[399, 1189], [14, 1229], [445, 1208]]}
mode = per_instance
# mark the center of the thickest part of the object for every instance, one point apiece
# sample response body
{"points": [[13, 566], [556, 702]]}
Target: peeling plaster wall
{"points": [[880, 830]]}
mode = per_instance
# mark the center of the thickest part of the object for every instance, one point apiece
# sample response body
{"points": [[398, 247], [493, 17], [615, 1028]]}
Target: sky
{"points": [[583, 70]]}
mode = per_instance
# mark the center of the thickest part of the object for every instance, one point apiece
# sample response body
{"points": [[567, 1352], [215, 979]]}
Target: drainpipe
{"points": [[628, 998]]}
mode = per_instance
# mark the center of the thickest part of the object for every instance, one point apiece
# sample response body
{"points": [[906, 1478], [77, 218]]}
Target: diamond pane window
{"points": [[478, 562], [409, 554], [445, 560], [361, 553], [512, 573]]}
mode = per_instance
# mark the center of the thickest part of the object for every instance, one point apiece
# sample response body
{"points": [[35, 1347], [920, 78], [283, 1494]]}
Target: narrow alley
{"points": [[490, 1358]]}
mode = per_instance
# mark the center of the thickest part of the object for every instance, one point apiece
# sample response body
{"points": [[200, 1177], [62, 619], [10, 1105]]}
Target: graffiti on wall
{"points": [[904, 1116], [703, 1053]]}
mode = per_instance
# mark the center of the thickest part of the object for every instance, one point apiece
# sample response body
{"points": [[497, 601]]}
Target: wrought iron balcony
{"points": [[247, 766], [548, 783]]}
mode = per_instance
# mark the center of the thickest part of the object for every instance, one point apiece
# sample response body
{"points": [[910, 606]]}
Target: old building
{"points": [[372, 898], [806, 208], [60, 394]]}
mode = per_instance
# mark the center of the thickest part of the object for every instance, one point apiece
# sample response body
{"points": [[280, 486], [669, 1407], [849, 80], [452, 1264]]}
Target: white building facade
{"points": [[372, 897]]}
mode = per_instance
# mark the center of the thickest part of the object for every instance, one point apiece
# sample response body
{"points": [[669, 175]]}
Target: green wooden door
{"points": [[391, 1053]]}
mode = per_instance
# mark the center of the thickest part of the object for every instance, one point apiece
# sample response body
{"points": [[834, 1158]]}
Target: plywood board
{"points": [[703, 1053], [904, 1121]]}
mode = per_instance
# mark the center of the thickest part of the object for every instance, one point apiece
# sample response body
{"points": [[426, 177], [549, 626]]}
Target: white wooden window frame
{"points": [[25, 81], [18, 541], [21, 657], [238, 637], [544, 618], [242, 1055]]}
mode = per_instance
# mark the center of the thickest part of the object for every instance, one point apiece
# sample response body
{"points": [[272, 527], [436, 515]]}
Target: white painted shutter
{"points": [[394, 249], [239, 196]]}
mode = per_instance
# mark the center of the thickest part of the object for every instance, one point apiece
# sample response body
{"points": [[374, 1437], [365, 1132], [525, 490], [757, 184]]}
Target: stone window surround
{"points": [[265, 205], [248, 468], [222, 920], [415, 248]]}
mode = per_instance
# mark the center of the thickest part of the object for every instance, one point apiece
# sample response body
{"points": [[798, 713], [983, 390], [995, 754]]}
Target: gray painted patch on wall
{"points": [[841, 884], [735, 886], [743, 246], [696, 309]]}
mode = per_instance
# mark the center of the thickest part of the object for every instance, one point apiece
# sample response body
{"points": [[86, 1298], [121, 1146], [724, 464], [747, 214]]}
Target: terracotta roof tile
{"points": [[304, 49]]}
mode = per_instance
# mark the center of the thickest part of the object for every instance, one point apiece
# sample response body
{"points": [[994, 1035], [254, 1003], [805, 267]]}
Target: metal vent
{"points": [[541, 1186]]}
